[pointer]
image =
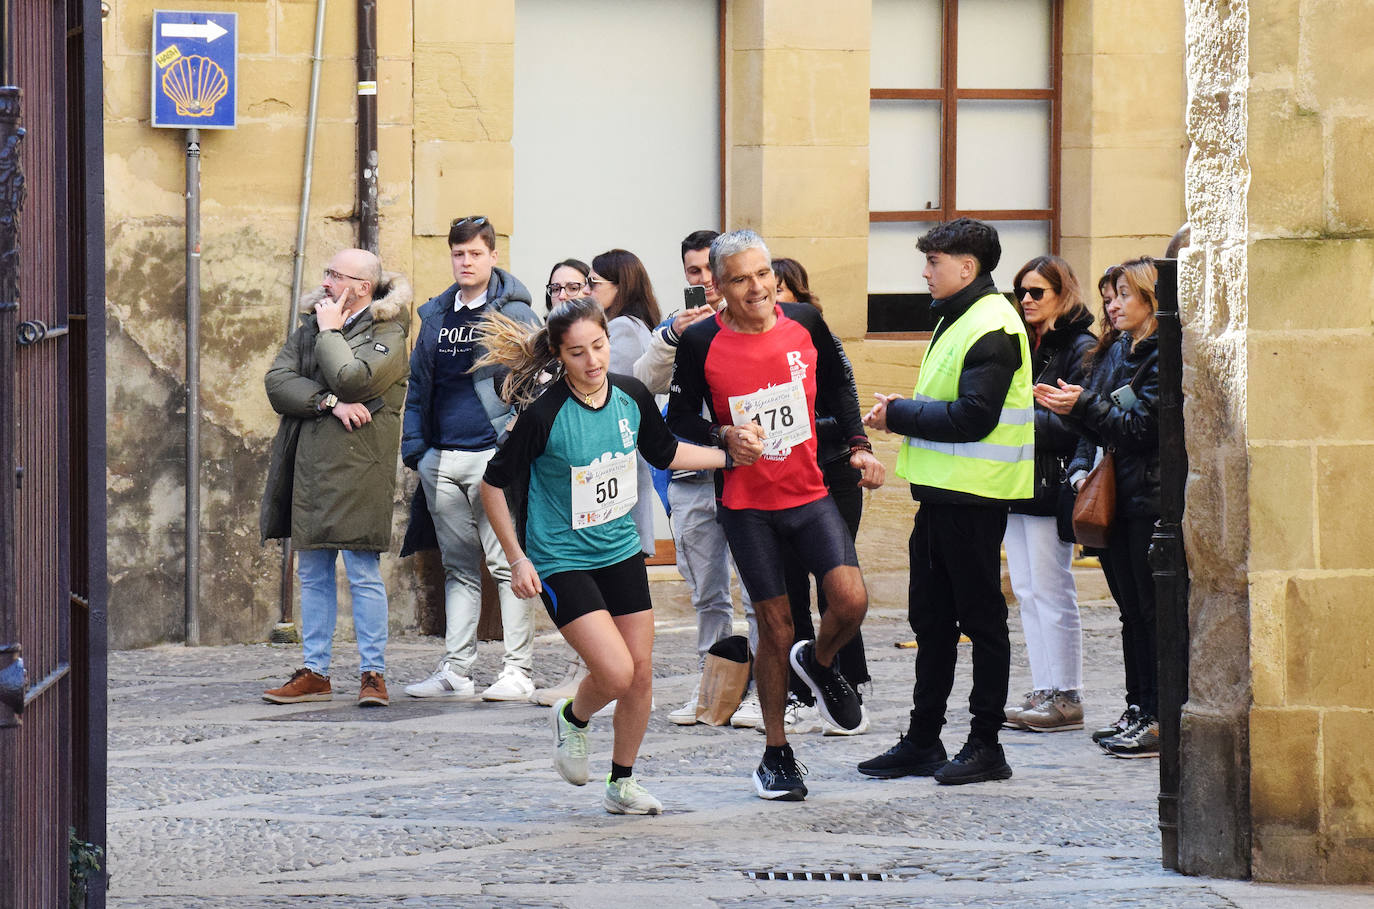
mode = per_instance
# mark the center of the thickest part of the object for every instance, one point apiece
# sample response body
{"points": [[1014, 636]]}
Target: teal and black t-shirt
{"points": [[581, 462]]}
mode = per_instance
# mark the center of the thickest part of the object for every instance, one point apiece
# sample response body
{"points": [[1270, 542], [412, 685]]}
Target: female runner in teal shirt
{"points": [[578, 445]]}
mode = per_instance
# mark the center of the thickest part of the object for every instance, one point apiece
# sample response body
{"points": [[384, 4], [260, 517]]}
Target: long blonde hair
{"points": [[530, 357]]}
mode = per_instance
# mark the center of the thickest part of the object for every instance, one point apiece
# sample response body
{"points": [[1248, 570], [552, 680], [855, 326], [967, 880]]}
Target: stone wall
{"points": [[251, 186], [1213, 803], [1309, 380], [797, 141]]}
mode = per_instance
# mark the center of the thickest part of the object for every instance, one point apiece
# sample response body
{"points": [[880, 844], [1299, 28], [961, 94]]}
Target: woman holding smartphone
{"points": [[1118, 410], [1039, 562], [577, 447]]}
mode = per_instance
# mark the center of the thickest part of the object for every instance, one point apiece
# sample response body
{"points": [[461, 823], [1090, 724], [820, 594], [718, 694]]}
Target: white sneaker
{"points": [[686, 715], [798, 718], [513, 684], [567, 688], [749, 714], [627, 796], [445, 683], [832, 729], [570, 747]]}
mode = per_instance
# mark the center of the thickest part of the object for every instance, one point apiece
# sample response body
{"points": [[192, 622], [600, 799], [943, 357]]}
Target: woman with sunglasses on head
{"points": [[1039, 560], [842, 480], [1117, 409], [567, 281], [620, 285], [575, 447]]}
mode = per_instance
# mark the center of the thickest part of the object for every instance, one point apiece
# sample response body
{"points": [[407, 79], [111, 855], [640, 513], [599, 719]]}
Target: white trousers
{"points": [[1040, 565], [452, 481]]}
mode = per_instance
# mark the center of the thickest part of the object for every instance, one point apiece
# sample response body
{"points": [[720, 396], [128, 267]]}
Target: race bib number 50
{"points": [[604, 491], [782, 412]]}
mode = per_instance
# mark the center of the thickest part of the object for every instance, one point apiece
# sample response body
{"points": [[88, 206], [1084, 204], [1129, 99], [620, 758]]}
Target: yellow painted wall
{"points": [[1310, 410]]}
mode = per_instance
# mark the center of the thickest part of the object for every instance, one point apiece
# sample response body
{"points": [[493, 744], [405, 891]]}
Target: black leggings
{"points": [[621, 588], [1126, 564], [843, 482]]}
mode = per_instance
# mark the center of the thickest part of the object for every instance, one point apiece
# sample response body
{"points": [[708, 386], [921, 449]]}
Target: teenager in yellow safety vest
{"points": [[968, 452]]}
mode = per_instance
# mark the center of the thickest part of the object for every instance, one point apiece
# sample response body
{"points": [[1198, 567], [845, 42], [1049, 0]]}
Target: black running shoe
{"points": [[976, 762], [906, 758], [780, 779], [836, 699], [1128, 718]]}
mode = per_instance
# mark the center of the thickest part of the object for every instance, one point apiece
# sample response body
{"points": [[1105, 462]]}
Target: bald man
{"points": [[339, 384]]}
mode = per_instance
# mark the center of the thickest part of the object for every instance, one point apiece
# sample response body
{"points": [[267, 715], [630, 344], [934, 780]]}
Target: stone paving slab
{"points": [[220, 801]]}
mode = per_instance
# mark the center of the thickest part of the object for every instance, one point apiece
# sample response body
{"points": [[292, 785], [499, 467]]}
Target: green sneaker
{"points": [[570, 746], [627, 796]]}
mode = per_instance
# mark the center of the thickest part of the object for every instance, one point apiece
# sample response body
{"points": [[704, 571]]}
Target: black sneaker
{"points": [[1140, 741], [906, 758], [837, 701], [976, 762], [1125, 721], [780, 779]]}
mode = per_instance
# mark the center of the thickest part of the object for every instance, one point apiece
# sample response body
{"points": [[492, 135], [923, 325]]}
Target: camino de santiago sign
{"points": [[195, 57]]}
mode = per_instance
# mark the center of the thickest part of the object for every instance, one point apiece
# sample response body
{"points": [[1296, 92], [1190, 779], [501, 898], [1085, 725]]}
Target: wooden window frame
{"points": [[949, 95]]}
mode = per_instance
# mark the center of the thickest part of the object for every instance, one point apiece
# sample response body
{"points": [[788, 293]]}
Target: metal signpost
{"points": [[194, 87]]}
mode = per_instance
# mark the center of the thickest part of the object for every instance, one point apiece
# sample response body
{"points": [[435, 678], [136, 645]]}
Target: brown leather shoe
{"points": [[305, 685], [372, 693]]}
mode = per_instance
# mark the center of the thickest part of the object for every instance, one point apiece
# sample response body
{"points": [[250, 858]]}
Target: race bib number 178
{"points": [[782, 412]]}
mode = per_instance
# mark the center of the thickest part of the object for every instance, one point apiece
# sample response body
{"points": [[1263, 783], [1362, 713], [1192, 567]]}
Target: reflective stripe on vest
{"points": [[1001, 465]]}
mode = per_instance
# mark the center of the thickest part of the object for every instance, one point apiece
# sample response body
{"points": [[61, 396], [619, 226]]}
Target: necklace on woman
{"points": [[588, 397]]}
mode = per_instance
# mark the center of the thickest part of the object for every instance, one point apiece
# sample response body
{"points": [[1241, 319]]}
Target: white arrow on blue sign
{"points": [[195, 69]]}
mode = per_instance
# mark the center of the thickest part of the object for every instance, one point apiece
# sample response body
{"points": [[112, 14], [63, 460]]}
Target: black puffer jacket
{"points": [[1059, 356], [1132, 432]]}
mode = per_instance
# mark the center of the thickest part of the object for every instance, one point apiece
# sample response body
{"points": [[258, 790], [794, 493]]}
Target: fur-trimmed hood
{"points": [[391, 300]]}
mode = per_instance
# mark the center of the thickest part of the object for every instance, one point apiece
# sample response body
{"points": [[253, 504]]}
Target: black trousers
{"points": [[1125, 562], [956, 586], [843, 483]]}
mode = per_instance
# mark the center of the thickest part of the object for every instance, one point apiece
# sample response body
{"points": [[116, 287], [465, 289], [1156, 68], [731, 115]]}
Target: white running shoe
{"points": [[627, 796], [686, 715], [513, 684], [570, 746], [749, 714], [832, 729], [445, 683]]}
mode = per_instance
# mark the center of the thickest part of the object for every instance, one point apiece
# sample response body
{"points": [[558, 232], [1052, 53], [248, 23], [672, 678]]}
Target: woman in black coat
{"points": [[1118, 410], [1038, 560]]}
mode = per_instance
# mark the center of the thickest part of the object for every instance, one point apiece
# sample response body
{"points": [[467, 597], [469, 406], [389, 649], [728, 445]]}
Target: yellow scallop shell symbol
{"points": [[195, 84]]}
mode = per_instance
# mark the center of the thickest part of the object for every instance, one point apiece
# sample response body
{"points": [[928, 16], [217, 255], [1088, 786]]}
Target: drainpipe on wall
{"points": [[367, 126], [285, 631]]}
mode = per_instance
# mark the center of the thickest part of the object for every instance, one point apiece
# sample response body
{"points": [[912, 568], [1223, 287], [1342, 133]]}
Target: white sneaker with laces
{"points": [[570, 746], [749, 714], [445, 683], [513, 684], [832, 729], [627, 796], [797, 719], [686, 715]]}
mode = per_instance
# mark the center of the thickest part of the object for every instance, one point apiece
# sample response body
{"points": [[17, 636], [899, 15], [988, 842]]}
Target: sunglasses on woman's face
{"points": [[1036, 293]]}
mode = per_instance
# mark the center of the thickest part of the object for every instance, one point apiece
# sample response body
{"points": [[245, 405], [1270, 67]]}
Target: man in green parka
{"points": [[339, 385]]}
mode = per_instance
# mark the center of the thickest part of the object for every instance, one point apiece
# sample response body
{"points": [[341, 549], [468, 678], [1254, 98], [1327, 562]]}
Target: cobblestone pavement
{"points": [[221, 801]]}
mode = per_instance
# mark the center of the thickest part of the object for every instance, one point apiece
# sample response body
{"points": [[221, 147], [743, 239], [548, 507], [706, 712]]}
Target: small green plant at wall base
{"points": [[83, 863]]}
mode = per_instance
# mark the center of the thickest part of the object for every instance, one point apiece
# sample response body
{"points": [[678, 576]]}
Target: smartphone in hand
{"points": [[694, 296]]}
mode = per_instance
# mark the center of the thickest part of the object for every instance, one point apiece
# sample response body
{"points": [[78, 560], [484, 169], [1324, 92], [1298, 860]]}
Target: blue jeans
{"points": [[320, 606]]}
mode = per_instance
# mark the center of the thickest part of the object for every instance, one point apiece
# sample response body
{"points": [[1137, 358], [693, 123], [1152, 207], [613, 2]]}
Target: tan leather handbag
{"points": [[1095, 506]]}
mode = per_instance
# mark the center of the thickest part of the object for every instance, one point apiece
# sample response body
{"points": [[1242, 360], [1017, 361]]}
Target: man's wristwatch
{"points": [[329, 401]]}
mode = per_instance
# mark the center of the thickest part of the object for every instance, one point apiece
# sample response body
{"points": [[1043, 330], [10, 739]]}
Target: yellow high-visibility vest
{"points": [[1001, 465]]}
